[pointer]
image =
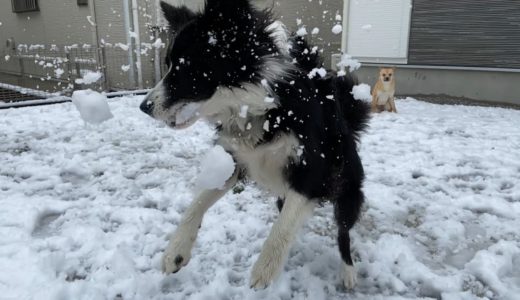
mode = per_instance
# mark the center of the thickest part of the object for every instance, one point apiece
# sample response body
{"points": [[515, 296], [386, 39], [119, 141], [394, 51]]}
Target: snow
{"points": [[367, 27], [85, 210], [361, 92], [90, 19], [92, 106], [348, 61], [216, 168], [315, 31], [89, 78], [337, 29], [321, 72], [302, 31]]}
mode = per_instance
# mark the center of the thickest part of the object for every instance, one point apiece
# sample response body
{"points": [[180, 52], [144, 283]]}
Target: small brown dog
{"points": [[384, 91]]}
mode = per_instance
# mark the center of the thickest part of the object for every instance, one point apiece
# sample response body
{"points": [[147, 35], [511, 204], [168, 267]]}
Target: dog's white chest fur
{"points": [[265, 164], [383, 97]]}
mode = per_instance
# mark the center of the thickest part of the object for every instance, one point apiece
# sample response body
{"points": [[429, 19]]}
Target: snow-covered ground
{"points": [[85, 210]]}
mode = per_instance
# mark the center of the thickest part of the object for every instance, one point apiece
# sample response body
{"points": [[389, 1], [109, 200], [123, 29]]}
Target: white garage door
{"points": [[378, 30]]}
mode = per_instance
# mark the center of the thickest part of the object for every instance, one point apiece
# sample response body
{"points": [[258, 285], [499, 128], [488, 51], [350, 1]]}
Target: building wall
{"points": [[57, 22], [466, 33], [492, 86]]}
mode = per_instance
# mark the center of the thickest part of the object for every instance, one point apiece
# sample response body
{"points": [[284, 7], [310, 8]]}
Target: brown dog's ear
{"points": [[176, 16]]}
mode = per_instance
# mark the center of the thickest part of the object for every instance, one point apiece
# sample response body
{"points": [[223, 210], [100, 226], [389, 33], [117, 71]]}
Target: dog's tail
{"points": [[356, 112]]}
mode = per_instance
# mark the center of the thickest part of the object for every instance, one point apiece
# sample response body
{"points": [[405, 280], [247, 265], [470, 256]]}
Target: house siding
{"points": [[465, 33]]}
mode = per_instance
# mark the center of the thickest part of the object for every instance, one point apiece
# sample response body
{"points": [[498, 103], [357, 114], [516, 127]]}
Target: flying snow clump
{"points": [[361, 92], [337, 29], [92, 106], [302, 31], [216, 168], [89, 78], [348, 61]]}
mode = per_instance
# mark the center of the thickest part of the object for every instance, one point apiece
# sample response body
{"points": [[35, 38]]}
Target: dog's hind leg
{"points": [[296, 209], [346, 211], [178, 253]]}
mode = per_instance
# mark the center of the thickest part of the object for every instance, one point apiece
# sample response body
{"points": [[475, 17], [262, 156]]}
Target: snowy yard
{"points": [[85, 210]]}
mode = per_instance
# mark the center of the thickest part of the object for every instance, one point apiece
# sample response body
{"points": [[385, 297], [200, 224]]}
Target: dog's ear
{"points": [[176, 16]]}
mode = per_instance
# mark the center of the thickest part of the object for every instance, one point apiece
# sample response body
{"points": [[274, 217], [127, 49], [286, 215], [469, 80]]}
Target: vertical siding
{"points": [[466, 33]]}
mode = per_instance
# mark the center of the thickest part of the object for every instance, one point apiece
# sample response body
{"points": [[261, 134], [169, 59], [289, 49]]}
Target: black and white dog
{"points": [[290, 126]]}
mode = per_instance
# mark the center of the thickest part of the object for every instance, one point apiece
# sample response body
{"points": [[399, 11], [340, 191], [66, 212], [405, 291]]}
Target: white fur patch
{"points": [[349, 276], [280, 35], [178, 252], [296, 210]]}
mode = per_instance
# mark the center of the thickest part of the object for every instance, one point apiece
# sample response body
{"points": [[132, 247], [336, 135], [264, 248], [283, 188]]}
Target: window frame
{"points": [[22, 6]]}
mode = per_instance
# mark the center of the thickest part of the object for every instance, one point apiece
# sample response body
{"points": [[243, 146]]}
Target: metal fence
{"points": [[43, 71]]}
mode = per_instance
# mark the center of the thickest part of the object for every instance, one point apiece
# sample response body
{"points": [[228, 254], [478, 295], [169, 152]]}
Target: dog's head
{"points": [[218, 48], [387, 74]]}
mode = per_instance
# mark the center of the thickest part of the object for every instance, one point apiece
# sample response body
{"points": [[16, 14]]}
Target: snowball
{"points": [[92, 106], [337, 29], [216, 168], [361, 92], [315, 31], [89, 78], [125, 68]]}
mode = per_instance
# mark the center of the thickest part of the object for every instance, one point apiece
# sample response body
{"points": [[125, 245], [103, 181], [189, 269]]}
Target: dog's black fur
{"points": [[320, 111]]}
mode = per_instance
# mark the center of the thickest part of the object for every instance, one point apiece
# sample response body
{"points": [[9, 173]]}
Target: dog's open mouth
{"points": [[185, 115]]}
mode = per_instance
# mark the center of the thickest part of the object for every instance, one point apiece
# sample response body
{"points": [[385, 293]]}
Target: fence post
{"points": [[70, 77], [104, 71], [21, 64]]}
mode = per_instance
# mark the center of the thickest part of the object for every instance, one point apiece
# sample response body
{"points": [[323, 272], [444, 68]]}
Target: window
{"points": [[24, 5], [82, 2]]}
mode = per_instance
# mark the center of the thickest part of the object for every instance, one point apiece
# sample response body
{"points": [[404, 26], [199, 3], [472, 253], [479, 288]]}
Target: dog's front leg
{"points": [[392, 104], [295, 211], [373, 106], [178, 253]]}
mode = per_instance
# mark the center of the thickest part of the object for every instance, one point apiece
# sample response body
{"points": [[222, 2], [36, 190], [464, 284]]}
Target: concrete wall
{"points": [[480, 85], [320, 14]]}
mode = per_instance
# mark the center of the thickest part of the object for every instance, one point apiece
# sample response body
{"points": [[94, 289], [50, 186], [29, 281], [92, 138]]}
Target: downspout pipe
{"points": [[129, 42], [137, 38], [344, 33], [157, 60]]}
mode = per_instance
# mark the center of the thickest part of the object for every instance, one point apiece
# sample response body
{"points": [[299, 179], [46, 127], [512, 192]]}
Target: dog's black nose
{"points": [[147, 106]]}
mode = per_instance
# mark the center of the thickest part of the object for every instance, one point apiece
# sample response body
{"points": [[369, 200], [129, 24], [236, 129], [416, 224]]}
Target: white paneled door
{"points": [[378, 30]]}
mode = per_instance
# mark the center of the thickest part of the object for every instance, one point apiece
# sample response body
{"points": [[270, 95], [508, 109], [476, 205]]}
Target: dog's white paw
{"points": [[349, 276], [265, 270], [178, 252]]}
